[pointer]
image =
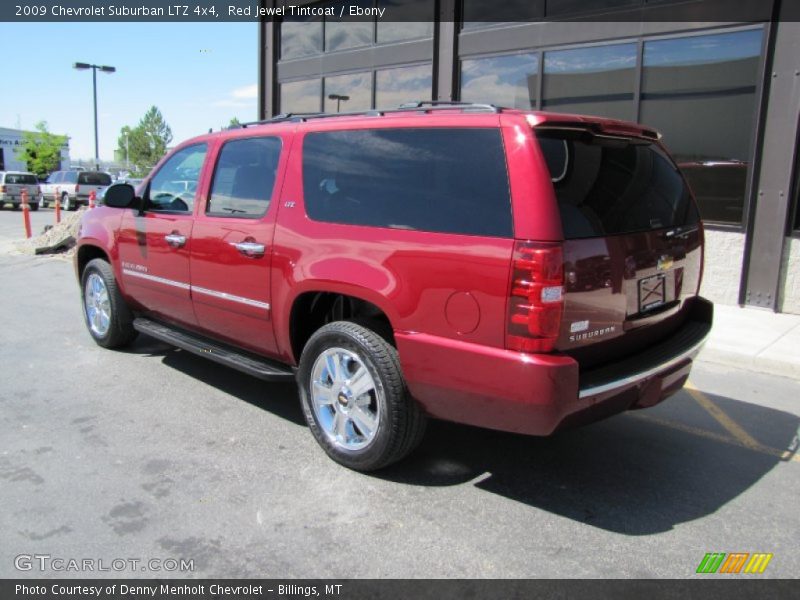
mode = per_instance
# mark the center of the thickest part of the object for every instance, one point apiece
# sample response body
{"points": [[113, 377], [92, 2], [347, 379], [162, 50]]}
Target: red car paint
{"points": [[446, 296]]}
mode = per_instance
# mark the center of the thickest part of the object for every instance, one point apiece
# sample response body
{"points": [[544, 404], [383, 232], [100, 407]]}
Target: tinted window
{"points": [[94, 178], [301, 96], [478, 13], [400, 29], [350, 92], [244, 178], [591, 81], [608, 186], [341, 35], [502, 80], [393, 87], [173, 187], [20, 178], [700, 92], [301, 37], [70, 177], [446, 180]]}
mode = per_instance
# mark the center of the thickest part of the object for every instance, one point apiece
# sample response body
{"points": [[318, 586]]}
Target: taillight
{"points": [[38, 190], [536, 299], [2, 189]]}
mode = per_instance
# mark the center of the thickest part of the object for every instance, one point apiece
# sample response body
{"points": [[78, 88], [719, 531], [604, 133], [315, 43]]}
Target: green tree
{"points": [[41, 150], [234, 122], [146, 143]]}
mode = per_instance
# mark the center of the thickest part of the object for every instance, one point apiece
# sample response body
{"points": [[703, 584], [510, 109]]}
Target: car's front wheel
{"points": [[355, 399], [67, 202], [42, 201], [108, 318]]}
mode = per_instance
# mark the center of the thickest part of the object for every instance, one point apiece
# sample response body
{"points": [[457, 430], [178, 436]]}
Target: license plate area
{"points": [[652, 292]]}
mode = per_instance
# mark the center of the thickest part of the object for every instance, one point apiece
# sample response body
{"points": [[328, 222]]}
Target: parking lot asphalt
{"points": [[153, 453]]}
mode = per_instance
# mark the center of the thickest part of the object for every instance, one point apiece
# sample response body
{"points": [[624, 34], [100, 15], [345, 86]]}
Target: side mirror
{"points": [[120, 195]]}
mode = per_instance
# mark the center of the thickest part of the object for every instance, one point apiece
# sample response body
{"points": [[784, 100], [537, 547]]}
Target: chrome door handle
{"points": [[252, 249], [175, 240]]}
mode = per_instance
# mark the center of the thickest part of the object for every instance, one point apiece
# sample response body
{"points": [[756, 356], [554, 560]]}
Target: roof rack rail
{"points": [[278, 118], [421, 105]]}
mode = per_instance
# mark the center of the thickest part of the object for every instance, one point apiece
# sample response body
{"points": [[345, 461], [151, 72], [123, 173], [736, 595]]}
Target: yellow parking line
{"points": [[731, 426], [784, 455]]}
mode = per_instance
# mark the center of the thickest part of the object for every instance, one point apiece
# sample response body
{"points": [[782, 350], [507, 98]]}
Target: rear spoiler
{"points": [[610, 129]]}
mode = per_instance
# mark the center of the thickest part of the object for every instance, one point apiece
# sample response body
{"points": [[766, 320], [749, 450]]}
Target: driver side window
{"points": [[173, 188]]}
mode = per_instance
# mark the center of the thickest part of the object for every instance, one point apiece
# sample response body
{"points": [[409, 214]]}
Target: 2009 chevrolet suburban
{"points": [[508, 269]]}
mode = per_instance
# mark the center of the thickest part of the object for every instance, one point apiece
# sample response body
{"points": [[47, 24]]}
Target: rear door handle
{"points": [[176, 240], [251, 249]]}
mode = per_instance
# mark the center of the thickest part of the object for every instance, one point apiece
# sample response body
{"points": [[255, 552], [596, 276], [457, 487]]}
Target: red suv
{"points": [[509, 269]]}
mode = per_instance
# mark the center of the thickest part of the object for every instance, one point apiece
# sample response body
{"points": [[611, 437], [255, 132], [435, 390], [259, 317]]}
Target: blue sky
{"points": [[198, 74]]}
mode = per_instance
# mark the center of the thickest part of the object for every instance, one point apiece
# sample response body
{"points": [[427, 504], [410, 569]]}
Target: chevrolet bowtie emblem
{"points": [[665, 262]]}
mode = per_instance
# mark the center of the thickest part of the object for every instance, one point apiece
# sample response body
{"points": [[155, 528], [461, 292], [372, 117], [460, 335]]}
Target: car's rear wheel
{"points": [[66, 202], [42, 201], [108, 318], [355, 399], [33, 205]]}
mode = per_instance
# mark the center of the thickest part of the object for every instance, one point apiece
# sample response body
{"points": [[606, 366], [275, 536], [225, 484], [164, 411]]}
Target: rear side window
{"points": [[244, 178], [443, 180], [94, 178], [70, 177], [610, 186]]}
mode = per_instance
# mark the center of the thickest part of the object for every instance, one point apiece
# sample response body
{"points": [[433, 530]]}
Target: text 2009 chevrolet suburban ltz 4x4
{"points": [[513, 270]]}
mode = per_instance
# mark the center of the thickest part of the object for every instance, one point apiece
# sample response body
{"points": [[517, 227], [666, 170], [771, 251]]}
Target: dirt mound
{"points": [[59, 238]]}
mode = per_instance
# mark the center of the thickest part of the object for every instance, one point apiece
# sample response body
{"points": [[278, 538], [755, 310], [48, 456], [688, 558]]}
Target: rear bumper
{"points": [[539, 393]]}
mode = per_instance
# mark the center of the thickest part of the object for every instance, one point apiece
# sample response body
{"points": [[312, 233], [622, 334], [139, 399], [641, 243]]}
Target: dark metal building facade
{"points": [[725, 95]]}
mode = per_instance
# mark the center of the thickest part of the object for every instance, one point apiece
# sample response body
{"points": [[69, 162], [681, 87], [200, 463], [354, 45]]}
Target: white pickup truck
{"points": [[73, 187], [11, 185]]}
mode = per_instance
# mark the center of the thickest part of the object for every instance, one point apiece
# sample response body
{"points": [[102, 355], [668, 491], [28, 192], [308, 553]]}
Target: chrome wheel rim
{"points": [[98, 308], [345, 399]]}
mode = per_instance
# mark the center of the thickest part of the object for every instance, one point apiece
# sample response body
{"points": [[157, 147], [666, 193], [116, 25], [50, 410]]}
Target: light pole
{"points": [[339, 98], [104, 69]]}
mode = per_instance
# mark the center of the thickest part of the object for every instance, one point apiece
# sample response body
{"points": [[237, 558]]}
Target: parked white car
{"points": [[73, 187], [11, 185]]}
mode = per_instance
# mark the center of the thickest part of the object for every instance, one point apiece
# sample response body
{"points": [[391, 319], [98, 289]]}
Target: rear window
{"points": [[443, 180], [94, 178], [608, 186], [21, 178]]}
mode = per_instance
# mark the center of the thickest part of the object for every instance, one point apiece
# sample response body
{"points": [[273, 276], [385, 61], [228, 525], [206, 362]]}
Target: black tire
{"points": [[33, 206], [401, 425], [120, 328]]}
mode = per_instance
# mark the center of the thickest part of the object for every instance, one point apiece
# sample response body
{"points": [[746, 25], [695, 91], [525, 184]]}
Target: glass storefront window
{"points": [[397, 31], [557, 8], [301, 37], [502, 80], [700, 92], [393, 87], [597, 80], [352, 92], [482, 13], [341, 35], [301, 96]]}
